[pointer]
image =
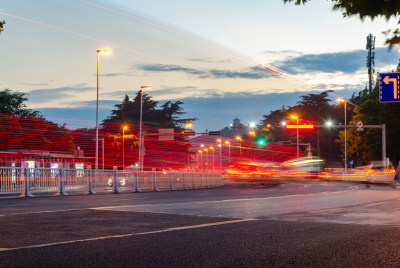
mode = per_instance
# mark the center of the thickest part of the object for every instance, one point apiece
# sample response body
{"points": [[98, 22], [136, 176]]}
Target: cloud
{"points": [[248, 73], [46, 95], [208, 60], [166, 68], [34, 84], [251, 73], [344, 61], [112, 74]]}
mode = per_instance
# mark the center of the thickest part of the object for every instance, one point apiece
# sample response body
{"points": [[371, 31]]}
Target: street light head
{"points": [[238, 138], [211, 148], [104, 51], [294, 117], [328, 123], [341, 100], [202, 145], [219, 140], [252, 133], [145, 87], [227, 142], [283, 123], [200, 151], [252, 124], [125, 127]]}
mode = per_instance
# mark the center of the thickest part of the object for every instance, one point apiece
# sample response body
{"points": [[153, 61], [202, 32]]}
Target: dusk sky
{"points": [[223, 59]]}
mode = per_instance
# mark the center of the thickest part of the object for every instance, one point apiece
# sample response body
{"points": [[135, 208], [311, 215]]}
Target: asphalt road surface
{"points": [[284, 225]]}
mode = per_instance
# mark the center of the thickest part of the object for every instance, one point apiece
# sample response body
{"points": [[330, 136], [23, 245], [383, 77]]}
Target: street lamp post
{"points": [[220, 155], [206, 150], [240, 143], [201, 160], [229, 151], [100, 51], [140, 128], [345, 131], [123, 146], [213, 165], [297, 118]]}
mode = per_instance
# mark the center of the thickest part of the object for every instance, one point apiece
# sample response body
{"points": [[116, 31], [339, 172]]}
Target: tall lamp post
{"points": [[123, 146], [140, 127], [212, 148], [207, 164], [345, 131], [100, 51], [297, 119], [240, 143], [229, 151], [201, 159], [220, 155]]}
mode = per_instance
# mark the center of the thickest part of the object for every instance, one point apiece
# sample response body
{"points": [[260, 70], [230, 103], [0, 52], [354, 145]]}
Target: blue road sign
{"points": [[389, 87]]}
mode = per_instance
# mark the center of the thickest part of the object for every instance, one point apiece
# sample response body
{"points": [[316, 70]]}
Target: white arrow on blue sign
{"points": [[389, 84]]}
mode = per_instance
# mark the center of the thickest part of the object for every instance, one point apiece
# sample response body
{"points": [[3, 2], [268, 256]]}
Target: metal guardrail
{"points": [[28, 181]]}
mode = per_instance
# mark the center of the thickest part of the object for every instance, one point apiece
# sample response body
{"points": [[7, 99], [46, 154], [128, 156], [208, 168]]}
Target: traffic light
{"points": [[136, 164], [261, 141]]}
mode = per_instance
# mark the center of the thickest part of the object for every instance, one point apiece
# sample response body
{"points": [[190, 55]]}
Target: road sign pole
{"points": [[384, 146]]}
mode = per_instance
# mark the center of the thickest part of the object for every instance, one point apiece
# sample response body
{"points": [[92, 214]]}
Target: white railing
{"points": [[28, 181]]}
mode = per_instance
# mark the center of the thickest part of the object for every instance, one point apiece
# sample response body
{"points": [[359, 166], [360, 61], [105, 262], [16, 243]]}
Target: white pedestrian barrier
{"points": [[28, 181]]}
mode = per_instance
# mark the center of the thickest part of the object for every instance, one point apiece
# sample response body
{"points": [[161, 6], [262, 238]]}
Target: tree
{"points": [[366, 146], [367, 9], [128, 112], [313, 108], [2, 25], [13, 103]]}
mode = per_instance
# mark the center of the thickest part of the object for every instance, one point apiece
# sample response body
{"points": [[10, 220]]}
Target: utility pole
{"points": [[370, 59]]}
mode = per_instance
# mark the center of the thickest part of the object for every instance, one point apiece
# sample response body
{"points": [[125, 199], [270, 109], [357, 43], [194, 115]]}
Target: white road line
{"points": [[42, 211], [171, 229], [352, 188]]}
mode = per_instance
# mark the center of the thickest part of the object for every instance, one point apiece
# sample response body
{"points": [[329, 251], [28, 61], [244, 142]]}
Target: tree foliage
{"points": [[128, 112], [2, 25], [366, 145], [13, 103], [368, 9], [311, 108]]}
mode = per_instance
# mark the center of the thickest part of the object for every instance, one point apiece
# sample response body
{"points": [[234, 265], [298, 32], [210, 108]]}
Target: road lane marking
{"points": [[208, 224], [352, 188], [171, 229], [325, 210], [374, 204], [42, 212]]}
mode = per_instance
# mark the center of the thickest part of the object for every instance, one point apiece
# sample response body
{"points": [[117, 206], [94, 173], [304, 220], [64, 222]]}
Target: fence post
{"points": [[155, 181], [137, 181], [25, 172], [62, 185], [89, 170], [115, 169], [170, 181], [184, 181]]}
